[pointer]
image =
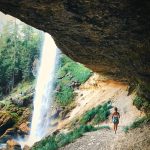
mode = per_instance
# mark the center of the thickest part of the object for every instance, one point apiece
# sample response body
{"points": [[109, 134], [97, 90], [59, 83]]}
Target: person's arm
{"points": [[112, 115], [118, 115]]}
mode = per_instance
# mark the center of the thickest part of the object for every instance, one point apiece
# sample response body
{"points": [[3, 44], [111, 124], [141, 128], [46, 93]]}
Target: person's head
{"points": [[116, 109]]}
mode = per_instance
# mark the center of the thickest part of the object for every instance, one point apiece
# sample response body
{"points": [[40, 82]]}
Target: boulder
{"points": [[17, 101], [22, 100], [26, 147], [13, 145], [26, 116], [24, 128], [8, 134], [6, 121]]}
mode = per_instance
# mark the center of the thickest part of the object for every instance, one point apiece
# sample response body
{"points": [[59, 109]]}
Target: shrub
{"points": [[101, 116], [63, 139], [69, 72], [65, 96], [97, 114], [103, 127], [142, 104], [48, 143], [125, 129], [138, 102], [140, 122], [137, 123], [89, 115]]}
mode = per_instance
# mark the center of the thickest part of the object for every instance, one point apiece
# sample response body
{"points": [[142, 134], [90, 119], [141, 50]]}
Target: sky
{"points": [[7, 18], [4, 18]]}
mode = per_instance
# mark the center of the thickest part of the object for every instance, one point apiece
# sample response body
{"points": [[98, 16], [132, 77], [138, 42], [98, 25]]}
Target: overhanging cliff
{"points": [[108, 36]]}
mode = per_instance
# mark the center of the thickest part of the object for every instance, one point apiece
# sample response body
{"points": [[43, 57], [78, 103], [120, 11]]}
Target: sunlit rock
{"points": [[13, 145]]}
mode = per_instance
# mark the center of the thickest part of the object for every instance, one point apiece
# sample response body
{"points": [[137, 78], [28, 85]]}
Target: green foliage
{"points": [[60, 140], [48, 143], [63, 139], [69, 72], [65, 96], [97, 114], [126, 129], [137, 123], [14, 116], [102, 114], [142, 104], [89, 115], [138, 102], [103, 127], [140, 122], [19, 44]]}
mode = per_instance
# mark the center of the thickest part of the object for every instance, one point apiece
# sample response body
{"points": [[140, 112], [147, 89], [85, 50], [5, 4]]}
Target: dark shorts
{"points": [[115, 120]]}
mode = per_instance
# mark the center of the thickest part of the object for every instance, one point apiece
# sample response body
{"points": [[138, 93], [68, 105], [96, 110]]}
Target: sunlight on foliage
{"points": [[70, 74]]}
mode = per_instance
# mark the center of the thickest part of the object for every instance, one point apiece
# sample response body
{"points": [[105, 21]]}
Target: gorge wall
{"points": [[109, 36]]}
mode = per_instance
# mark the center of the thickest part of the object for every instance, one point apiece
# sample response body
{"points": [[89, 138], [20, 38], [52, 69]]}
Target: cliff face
{"points": [[108, 36]]}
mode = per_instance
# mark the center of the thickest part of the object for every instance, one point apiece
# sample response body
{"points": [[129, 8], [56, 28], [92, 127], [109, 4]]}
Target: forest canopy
{"points": [[19, 45]]}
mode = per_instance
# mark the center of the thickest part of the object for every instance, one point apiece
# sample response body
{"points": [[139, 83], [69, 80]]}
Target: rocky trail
{"points": [[99, 140], [106, 139], [138, 139]]}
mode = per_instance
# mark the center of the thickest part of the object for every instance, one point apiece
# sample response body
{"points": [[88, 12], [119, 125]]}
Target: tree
{"points": [[19, 44]]}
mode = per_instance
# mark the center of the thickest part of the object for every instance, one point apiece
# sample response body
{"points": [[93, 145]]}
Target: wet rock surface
{"points": [[24, 128], [10, 133], [26, 147], [13, 145], [22, 100], [6, 121]]}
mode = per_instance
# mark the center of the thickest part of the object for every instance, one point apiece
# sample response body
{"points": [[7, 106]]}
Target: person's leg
{"points": [[116, 126]]}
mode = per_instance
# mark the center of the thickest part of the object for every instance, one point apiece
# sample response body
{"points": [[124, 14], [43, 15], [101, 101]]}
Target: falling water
{"points": [[43, 97]]}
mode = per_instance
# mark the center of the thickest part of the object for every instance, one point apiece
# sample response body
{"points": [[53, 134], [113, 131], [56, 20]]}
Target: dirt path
{"points": [[137, 139], [100, 140]]}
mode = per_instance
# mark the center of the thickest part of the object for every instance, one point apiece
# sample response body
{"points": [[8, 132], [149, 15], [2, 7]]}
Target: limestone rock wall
{"points": [[109, 36]]}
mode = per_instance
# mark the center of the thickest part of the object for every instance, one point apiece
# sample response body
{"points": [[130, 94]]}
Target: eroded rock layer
{"points": [[108, 36]]}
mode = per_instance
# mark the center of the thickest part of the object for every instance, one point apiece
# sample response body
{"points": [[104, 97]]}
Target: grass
{"points": [[137, 123], [69, 72], [97, 114], [103, 127], [60, 140]]}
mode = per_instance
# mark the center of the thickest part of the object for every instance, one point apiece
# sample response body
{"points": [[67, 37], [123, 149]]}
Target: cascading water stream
{"points": [[43, 90]]}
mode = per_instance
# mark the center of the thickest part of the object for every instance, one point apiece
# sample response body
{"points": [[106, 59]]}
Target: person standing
{"points": [[115, 118]]}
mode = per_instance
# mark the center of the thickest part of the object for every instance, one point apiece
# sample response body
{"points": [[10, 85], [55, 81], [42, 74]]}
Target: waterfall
{"points": [[43, 90]]}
